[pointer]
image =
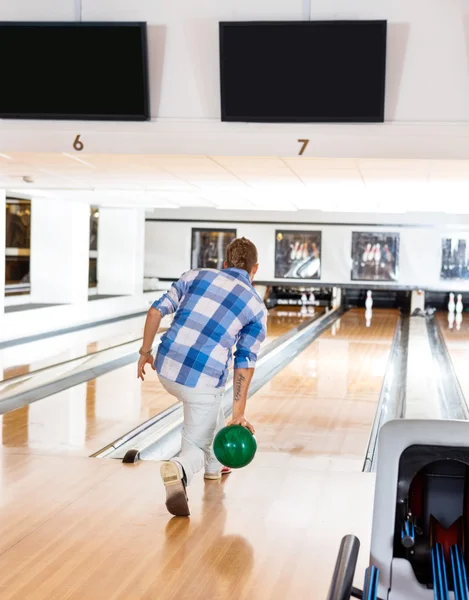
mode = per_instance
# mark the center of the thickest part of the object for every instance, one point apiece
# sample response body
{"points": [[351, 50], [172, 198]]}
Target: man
{"points": [[215, 310]]}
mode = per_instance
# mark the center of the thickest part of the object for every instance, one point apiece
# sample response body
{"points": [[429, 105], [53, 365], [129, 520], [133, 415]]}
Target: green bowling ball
{"points": [[234, 446]]}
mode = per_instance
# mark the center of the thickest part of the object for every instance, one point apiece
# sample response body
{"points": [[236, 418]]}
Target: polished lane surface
{"points": [[322, 405], [25, 358], [85, 418], [456, 337]]}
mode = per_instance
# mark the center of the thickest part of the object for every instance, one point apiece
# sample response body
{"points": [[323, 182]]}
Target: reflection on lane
{"points": [[24, 358], [83, 419], [323, 404], [456, 337], [283, 319]]}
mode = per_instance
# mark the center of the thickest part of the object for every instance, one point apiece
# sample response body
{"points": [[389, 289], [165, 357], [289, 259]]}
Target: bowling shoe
{"points": [[215, 476], [174, 482]]}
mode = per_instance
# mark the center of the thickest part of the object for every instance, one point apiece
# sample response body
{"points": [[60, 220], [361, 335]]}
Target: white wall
{"points": [[419, 256], [29, 10], [121, 251], [427, 78], [427, 81]]}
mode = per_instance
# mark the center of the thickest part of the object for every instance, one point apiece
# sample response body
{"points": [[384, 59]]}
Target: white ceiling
{"points": [[221, 182]]}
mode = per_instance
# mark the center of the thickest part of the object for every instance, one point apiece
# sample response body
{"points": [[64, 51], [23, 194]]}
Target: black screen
{"points": [[330, 71], [74, 71]]}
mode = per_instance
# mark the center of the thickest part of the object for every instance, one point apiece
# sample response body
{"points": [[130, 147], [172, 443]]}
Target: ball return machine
{"points": [[420, 533]]}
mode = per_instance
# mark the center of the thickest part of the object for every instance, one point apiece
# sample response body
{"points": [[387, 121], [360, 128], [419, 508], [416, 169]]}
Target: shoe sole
{"points": [[215, 476], [176, 497], [212, 477]]}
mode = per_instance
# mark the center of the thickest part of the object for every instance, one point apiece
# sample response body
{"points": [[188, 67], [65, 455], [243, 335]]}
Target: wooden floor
{"points": [[75, 528], [81, 420], [85, 529]]}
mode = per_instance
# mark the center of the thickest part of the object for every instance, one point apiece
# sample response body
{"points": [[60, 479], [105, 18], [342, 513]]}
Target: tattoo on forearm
{"points": [[238, 387]]}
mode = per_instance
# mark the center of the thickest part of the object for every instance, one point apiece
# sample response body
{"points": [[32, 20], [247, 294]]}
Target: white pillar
{"points": [[2, 261], [60, 232], [121, 251]]}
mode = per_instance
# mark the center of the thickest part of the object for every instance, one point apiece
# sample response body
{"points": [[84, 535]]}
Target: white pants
{"points": [[203, 419]]}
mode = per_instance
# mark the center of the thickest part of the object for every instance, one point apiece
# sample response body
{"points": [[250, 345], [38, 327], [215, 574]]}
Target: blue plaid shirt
{"points": [[214, 311]]}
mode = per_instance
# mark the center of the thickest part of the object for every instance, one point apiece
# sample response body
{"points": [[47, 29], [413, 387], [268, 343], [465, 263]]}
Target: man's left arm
{"points": [[251, 337]]}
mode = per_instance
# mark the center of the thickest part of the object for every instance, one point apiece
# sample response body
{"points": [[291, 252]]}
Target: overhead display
{"points": [[95, 71], [454, 257], [209, 247], [375, 256], [298, 254], [303, 71]]}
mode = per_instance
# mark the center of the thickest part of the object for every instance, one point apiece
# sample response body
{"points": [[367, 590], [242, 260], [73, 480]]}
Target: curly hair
{"points": [[241, 254]]}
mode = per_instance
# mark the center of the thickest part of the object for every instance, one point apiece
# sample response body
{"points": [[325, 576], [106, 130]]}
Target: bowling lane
{"points": [[283, 319], [321, 406], [457, 341], [25, 358], [83, 419]]}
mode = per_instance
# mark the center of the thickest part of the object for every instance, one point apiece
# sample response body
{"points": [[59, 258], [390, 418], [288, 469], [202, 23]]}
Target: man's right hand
{"points": [[142, 361], [242, 421]]}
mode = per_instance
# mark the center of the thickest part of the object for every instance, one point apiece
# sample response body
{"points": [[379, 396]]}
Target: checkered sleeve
{"points": [[250, 339], [169, 302]]}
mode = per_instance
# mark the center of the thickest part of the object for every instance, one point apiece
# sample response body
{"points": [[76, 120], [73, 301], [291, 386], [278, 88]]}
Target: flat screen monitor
{"points": [[72, 71], [305, 71]]}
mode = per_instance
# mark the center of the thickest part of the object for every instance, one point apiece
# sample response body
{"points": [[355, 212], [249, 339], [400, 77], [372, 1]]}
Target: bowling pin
{"points": [[458, 321], [451, 319], [312, 299], [451, 304], [305, 252], [294, 248], [369, 300], [299, 253], [371, 254], [459, 305], [368, 316], [378, 254], [365, 254]]}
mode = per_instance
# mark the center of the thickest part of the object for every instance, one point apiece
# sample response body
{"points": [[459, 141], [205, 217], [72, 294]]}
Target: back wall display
{"points": [[454, 257], [298, 254], [375, 256], [209, 247]]}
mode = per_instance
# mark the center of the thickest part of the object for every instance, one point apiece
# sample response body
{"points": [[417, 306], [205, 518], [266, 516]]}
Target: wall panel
{"points": [[167, 251]]}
